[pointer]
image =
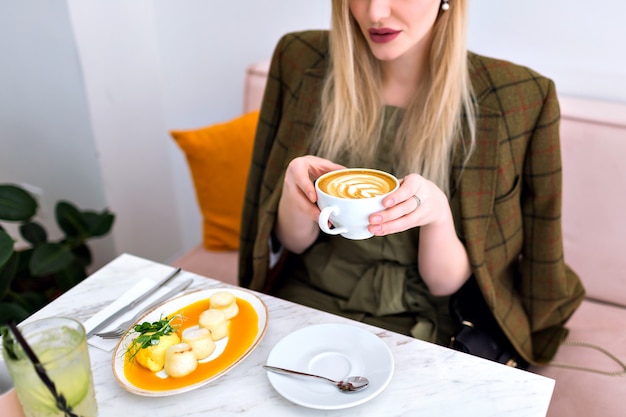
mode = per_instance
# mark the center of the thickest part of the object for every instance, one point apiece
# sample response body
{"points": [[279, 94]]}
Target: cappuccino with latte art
{"points": [[348, 197], [357, 183]]}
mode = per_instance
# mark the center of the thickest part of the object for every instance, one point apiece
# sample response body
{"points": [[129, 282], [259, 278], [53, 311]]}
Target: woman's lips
{"points": [[383, 35]]}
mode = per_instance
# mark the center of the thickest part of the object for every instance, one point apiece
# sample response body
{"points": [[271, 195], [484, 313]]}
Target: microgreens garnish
{"points": [[150, 333]]}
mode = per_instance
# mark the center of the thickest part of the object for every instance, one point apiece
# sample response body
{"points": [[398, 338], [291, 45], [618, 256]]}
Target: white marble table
{"points": [[428, 380]]}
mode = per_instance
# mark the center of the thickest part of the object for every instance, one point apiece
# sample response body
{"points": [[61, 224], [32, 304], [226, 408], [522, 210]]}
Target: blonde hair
{"points": [[351, 120]]}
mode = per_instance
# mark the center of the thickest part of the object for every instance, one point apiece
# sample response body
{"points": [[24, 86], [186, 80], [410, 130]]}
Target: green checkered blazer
{"points": [[510, 190]]}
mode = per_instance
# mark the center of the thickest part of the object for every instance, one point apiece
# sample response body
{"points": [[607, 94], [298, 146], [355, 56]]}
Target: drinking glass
{"points": [[61, 346]]}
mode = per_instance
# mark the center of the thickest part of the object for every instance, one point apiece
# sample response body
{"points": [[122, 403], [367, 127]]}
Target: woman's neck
{"points": [[398, 90], [402, 76]]}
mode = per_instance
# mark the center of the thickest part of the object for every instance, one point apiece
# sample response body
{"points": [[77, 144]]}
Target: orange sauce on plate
{"points": [[242, 331]]}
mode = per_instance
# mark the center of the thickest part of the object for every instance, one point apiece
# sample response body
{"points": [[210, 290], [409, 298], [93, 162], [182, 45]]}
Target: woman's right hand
{"points": [[296, 226]]}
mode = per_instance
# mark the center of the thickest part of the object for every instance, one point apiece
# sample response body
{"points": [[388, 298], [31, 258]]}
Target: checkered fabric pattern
{"points": [[510, 189]]}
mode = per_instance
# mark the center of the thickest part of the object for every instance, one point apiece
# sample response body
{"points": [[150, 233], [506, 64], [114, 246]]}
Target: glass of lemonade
{"points": [[61, 346]]}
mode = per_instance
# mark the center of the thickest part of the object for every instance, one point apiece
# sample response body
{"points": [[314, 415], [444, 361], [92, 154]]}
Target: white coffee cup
{"points": [[347, 198]]}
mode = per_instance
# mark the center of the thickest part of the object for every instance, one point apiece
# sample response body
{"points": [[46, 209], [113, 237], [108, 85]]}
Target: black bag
{"points": [[480, 334]]}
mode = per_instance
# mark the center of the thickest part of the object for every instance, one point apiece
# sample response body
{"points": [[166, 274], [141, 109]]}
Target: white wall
{"points": [[152, 66], [46, 138], [205, 47], [578, 43], [94, 86], [119, 54]]}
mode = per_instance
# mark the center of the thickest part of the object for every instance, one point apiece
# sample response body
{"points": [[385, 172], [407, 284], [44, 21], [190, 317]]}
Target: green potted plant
{"points": [[36, 270]]}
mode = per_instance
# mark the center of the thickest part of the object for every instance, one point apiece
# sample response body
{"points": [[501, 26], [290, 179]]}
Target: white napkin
{"points": [[139, 288]]}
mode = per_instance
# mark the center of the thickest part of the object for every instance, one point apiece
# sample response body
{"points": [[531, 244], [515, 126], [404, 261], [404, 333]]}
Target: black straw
{"points": [[61, 402]]}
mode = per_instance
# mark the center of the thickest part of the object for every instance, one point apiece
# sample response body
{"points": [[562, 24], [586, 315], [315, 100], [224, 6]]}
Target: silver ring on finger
{"points": [[419, 202]]}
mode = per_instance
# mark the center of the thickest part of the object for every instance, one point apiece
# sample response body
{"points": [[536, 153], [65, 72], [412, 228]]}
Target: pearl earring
{"points": [[444, 5]]}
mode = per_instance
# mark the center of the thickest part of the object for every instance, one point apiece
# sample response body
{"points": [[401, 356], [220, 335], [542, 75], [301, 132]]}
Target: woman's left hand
{"points": [[443, 262], [417, 202]]}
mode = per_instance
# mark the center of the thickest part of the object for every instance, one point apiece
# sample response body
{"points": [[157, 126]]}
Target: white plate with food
{"points": [[334, 351], [189, 341]]}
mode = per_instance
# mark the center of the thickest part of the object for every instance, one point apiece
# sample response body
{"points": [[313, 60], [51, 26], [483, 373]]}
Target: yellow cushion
{"points": [[219, 159]]}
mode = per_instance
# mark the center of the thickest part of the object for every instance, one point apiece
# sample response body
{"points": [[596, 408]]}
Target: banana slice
{"points": [[214, 320], [199, 338], [180, 360], [225, 301]]}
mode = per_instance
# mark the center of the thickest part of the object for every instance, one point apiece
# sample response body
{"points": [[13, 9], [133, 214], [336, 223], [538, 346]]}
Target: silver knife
{"points": [[165, 297], [133, 304]]}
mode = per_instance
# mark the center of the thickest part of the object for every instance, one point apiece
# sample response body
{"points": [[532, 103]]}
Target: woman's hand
{"points": [[296, 225], [442, 258], [417, 202]]}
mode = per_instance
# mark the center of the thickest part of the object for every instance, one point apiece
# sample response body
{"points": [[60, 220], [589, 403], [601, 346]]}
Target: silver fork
{"points": [[123, 327]]}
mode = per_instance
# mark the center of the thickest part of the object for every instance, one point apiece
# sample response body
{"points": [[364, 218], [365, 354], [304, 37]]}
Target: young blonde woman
{"points": [[475, 141]]}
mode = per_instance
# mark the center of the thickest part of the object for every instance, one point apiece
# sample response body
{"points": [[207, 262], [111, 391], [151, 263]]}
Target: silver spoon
{"points": [[348, 384]]}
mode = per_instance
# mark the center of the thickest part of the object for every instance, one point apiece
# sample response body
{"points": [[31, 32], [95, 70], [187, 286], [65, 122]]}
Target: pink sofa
{"points": [[594, 222], [593, 136]]}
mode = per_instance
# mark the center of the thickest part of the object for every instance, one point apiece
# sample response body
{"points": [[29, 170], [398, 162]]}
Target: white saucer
{"points": [[334, 351]]}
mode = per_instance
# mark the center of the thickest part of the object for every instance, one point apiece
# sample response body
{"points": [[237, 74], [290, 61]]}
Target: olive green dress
{"points": [[375, 280]]}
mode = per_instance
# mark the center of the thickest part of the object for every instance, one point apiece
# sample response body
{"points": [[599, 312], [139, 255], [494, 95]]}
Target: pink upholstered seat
{"points": [[10, 405], [254, 85], [218, 265], [579, 393], [593, 142]]}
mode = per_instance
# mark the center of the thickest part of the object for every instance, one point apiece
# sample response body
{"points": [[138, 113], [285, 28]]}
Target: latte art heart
{"points": [[357, 184]]}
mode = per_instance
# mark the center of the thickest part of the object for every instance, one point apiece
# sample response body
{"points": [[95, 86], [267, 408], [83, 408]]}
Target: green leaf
{"points": [[82, 253], [70, 276], [50, 258], [6, 247], [23, 266], [34, 233], [7, 273], [12, 311], [30, 301], [16, 204], [98, 224], [70, 220]]}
